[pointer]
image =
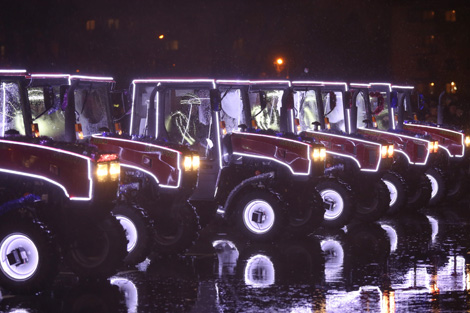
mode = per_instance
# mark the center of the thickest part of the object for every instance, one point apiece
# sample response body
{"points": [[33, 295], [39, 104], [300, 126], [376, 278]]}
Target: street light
{"points": [[279, 64]]}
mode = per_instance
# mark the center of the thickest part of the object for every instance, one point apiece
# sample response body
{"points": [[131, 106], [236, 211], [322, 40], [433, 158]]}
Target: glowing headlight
{"points": [[114, 170], [318, 154], [433, 146], [390, 151], [384, 151], [102, 171], [467, 141], [191, 162]]}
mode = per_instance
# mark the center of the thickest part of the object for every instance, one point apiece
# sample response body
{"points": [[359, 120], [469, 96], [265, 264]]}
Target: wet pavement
{"points": [[410, 263]]}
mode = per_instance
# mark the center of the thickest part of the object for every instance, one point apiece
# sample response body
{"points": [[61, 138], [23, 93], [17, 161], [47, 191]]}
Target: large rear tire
{"points": [[438, 184], [139, 232], [177, 233], [306, 212], [29, 256], [340, 201], [398, 191], [373, 203], [421, 195], [97, 247], [457, 186], [259, 215]]}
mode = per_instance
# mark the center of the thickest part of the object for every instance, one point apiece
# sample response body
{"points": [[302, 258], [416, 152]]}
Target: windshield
{"points": [[269, 118], [188, 118], [379, 109], [51, 121], [334, 110], [232, 112], [11, 117], [306, 106], [92, 108]]}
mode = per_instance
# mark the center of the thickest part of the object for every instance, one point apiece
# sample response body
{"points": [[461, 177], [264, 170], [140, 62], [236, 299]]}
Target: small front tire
{"points": [[339, 199]]}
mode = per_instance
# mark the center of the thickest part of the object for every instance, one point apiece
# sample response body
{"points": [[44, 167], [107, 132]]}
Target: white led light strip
{"points": [[350, 156], [446, 130], [256, 82], [404, 136], [178, 153], [4, 71], [320, 83], [90, 179], [275, 160], [4, 107]]}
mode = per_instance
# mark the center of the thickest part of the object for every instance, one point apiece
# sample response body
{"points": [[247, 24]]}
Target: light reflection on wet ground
{"points": [[411, 263]]}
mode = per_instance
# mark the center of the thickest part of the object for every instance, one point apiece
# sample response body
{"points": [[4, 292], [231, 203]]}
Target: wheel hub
{"points": [[17, 257]]}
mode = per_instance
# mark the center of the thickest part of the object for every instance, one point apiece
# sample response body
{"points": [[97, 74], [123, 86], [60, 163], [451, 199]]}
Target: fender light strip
{"points": [[90, 179], [179, 156], [404, 136], [278, 161], [349, 156], [447, 130], [4, 71]]}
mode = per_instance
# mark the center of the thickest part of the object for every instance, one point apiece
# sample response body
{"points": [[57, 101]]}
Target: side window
{"points": [[379, 110], [232, 110], [333, 110], [361, 111], [50, 120], [269, 117], [307, 108], [11, 117], [188, 119], [91, 105]]}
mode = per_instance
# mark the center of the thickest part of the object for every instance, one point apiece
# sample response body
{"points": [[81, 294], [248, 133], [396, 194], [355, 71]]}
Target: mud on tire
{"points": [[97, 247], [29, 255]]}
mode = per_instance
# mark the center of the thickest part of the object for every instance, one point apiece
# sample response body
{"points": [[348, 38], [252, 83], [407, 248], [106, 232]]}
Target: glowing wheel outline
{"points": [[263, 207], [335, 202], [392, 190], [132, 234], [24, 271], [434, 185]]}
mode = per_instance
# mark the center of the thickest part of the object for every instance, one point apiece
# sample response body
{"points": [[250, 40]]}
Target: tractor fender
{"points": [[261, 181]]}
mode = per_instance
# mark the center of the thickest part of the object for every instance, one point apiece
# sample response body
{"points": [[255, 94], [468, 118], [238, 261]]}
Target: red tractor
{"points": [[156, 179], [56, 196], [375, 116], [255, 180]]}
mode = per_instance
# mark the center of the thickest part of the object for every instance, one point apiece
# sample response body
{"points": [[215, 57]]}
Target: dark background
{"points": [[423, 43]]}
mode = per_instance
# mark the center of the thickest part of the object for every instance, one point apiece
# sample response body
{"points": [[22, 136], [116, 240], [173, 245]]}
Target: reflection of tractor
{"points": [[255, 180], [55, 199], [155, 181]]}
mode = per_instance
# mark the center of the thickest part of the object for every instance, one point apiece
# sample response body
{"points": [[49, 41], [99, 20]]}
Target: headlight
{"points": [[102, 171], [114, 170], [387, 151], [433, 146], [318, 154], [467, 141], [191, 162]]}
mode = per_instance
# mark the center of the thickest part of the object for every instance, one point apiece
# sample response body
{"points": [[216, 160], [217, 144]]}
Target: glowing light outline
{"points": [[90, 178], [445, 129], [278, 161], [232, 81], [393, 117], [349, 156], [178, 153], [392, 235], [5, 71], [280, 82], [93, 78], [218, 138], [4, 108], [349, 120], [314, 83], [403, 87], [404, 136]]}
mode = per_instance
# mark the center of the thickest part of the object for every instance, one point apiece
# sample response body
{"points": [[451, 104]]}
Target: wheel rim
{"points": [[28, 252], [393, 191], [434, 185], [335, 204], [258, 216], [131, 231], [259, 272]]}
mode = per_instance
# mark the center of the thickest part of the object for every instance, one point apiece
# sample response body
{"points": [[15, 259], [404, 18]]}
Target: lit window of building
{"points": [[113, 23], [428, 15], [90, 25], [451, 16]]}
